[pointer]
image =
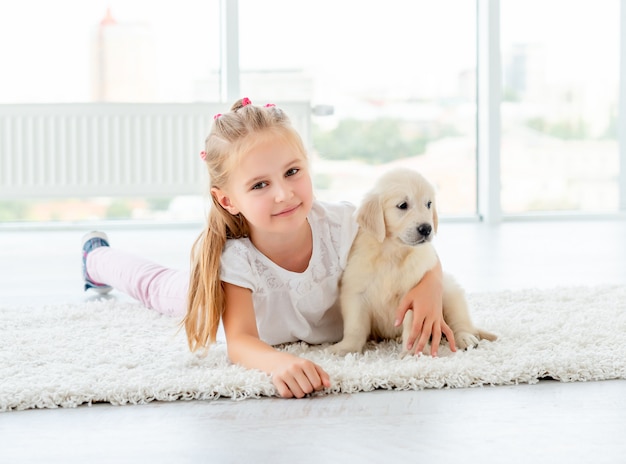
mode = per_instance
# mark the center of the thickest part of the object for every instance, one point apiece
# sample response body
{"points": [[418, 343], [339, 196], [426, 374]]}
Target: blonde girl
{"points": [[268, 263]]}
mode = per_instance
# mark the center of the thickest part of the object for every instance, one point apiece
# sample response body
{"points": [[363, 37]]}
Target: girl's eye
{"points": [[403, 205], [259, 185], [292, 172], [429, 204]]}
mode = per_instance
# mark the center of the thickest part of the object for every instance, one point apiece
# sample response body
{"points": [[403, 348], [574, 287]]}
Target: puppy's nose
{"points": [[425, 229]]}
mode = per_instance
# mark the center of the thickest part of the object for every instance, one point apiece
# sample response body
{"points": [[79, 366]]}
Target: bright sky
{"points": [[347, 45]]}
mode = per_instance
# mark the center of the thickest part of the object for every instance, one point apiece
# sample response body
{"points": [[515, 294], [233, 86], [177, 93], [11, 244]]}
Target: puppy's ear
{"points": [[435, 217], [371, 217]]}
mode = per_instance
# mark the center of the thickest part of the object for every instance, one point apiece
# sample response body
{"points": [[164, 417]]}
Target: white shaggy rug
{"points": [[108, 351]]}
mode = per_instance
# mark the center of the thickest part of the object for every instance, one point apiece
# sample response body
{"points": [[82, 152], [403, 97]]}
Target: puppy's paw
{"points": [[343, 348], [466, 340]]}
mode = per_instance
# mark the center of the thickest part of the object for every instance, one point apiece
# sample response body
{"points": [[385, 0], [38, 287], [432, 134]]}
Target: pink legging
{"points": [[157, 287]]}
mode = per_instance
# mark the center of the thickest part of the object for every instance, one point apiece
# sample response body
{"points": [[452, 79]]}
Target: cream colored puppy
{"points": [[390, 254]]}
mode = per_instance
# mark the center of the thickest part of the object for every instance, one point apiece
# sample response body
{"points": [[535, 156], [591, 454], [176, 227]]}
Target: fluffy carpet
{"points": [[120, 353]]}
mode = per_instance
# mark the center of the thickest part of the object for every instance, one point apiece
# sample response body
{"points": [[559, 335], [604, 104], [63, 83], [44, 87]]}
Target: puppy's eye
{"points": [[429, 204], [403, 205]]}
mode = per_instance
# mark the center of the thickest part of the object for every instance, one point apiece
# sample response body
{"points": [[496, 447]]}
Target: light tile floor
{"points": [[548, 422]]}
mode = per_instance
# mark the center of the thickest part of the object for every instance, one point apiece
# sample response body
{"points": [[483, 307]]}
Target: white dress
{"points": [[291, 306]]}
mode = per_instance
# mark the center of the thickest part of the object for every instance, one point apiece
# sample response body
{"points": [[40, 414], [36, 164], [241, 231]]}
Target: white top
{"points": [[291, 306]]}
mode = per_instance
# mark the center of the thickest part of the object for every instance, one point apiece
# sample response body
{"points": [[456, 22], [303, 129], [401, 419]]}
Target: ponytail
{"points": [[206, 299], [206, 294]]}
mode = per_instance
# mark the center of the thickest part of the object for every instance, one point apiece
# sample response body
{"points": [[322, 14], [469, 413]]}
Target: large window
{"points": [[389, 84], [559, 109], [398, 77], [114, 51]]}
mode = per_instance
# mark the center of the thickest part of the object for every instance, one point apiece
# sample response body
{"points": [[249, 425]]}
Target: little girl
{"points": [[267, 265]]}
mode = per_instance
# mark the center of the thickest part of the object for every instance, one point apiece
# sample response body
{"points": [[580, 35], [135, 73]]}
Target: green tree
{"points": [[375, 142], [13, 211], [158, 204], [119, 209], [564, 129]]}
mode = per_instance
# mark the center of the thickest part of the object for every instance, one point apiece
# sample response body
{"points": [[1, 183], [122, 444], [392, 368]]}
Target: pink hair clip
{"points": [[245, 101], [216, 116], [269, 105], [203, 155]]}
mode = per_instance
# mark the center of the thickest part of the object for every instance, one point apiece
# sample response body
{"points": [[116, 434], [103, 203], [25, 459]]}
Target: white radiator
{"points": [[91, 150]]}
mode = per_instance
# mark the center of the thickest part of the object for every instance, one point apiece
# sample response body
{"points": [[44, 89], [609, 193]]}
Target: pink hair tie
{"points": [[216, 116], [203, 155], [245, 101], [269, 105]]}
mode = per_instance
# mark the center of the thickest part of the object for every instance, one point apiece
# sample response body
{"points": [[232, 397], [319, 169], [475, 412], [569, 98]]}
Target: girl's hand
{"points": [[425, 299], [297, 377], [293, 376]]}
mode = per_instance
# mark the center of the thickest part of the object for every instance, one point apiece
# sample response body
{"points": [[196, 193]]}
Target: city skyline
{"points": [[189, 46], [341, 56]]}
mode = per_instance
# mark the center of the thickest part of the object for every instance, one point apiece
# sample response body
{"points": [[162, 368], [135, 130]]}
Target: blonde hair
{"points": [[232, 135]]}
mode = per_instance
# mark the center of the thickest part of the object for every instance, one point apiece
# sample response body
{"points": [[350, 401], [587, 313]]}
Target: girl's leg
{"points": [[157, 287]]}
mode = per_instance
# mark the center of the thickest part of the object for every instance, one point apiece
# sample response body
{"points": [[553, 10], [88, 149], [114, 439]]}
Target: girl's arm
{"points": [[426, 301], [292, 375]]}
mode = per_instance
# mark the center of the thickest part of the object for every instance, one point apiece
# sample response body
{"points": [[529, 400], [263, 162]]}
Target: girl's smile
{"points": [[288, 211]]}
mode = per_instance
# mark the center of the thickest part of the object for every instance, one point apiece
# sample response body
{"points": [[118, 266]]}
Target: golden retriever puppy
{"points": [[390, 254]]}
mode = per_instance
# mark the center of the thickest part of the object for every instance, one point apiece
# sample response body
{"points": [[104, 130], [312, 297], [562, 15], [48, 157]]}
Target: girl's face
{"points": [[271, 187]]}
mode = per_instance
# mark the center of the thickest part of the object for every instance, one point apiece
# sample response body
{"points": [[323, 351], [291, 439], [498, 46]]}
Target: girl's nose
{"points": [[283, 192]]}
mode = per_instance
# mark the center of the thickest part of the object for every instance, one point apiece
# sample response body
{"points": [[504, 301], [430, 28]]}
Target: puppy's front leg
{"points": [[457, 316], [357, 326]]}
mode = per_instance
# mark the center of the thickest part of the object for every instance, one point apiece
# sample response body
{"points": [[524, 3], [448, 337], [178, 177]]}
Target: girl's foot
{"points": [[91, 241]]}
